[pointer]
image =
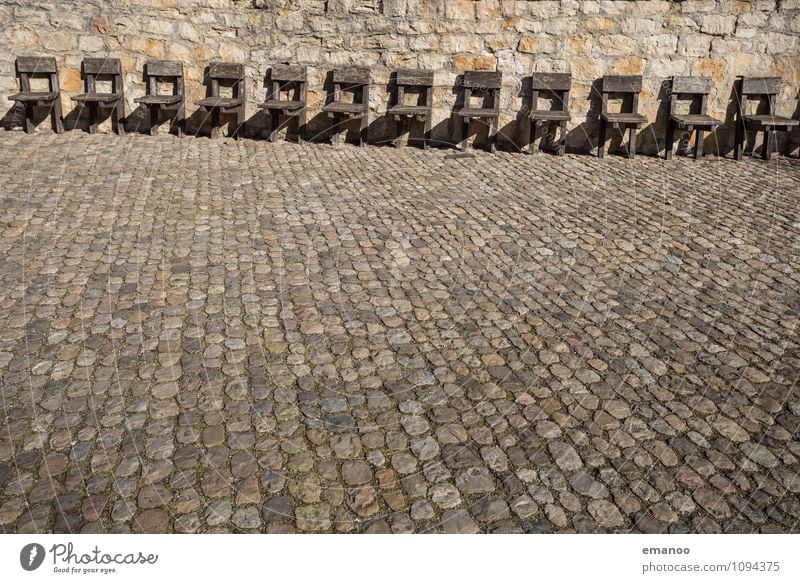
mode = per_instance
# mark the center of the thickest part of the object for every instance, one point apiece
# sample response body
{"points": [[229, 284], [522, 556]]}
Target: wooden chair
{"points": [[695, 89], [766, 90], [100, 70], [555, 86], [292, 81], [625, 85], [169, 72], [403, 114], [356, 81], [486, 84], [33, 67], [226, 75]]}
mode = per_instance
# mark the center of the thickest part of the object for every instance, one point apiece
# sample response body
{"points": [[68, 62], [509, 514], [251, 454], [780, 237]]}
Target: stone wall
{"points": [[719, 38]]}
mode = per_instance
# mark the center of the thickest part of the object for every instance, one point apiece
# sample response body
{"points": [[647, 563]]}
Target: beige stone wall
{"points": [[719, 38]]}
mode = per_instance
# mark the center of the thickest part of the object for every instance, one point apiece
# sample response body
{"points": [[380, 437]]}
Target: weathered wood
{"points": [[760, 85], [691, 85], [414, 77], [482, 79], [234, 71], [762, 89], [630, 120], [352, 76], [167, 72], [290, 79], [624, 118], [402, 113], [551, 81], [36, 65], [288, 73], [164, 68], [102, 67], [622, 84]]}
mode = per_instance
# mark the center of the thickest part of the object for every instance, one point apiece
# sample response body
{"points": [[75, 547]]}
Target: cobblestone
{"points": [[208, 336]]}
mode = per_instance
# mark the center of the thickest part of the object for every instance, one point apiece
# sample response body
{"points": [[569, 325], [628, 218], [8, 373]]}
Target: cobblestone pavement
{"points": [[217, 336]]}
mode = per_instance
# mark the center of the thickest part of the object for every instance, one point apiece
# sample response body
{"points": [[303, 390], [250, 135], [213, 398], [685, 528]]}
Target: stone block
{"points": [[717, 24], [616, 44], [694, 45]]}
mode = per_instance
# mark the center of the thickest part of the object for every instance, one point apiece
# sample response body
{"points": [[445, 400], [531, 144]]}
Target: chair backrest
{"points": [[690, 87], [761, 88], [417, 79], [622, 84], [487, 82], [354, 79], [29, 67], [94, 69], [164, 71], [227, 75], [287, 78], [555, 84]]}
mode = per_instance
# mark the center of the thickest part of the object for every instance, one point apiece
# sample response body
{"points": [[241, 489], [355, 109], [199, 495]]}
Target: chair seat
{"points": [[34, 96], [158, 99], [351, 108], [550, 115], [284, 105], [98, 97], [627, 118], [695, 119], [221, 102], [480, 112], [409, 110], [770, 120]]}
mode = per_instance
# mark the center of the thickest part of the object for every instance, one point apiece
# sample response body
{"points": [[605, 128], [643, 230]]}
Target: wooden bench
{"points": [[356, 81], [487, 85], [34, 67], [225, 75], [402, 113], [168, 72], [101, 70], [624, 85], [765, 90], [292, 81], [695, 89], [555, 86]]}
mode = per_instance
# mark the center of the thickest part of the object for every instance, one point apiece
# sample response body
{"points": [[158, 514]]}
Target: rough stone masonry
{"points": [[658, 39]]}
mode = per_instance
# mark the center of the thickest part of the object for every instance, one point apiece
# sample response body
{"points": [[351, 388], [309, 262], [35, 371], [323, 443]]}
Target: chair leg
{"points": [[119, 117], [428, 127], [362, 133], [533, 146], [669, 141], [214, 122], [464, 133], [738, 145], [698, 145], [632, 144], [398, 132], [154, 111], [58, 116], [562, 138], [240, 113], [28, 121], [301, 126], [601, 145], [493, 135], [92, 118], [766, 147], [179, 121], [273, 130]]}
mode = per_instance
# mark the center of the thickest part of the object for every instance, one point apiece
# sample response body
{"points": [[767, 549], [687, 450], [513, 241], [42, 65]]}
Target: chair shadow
{"points": [[15, 117], [583, 139]]}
